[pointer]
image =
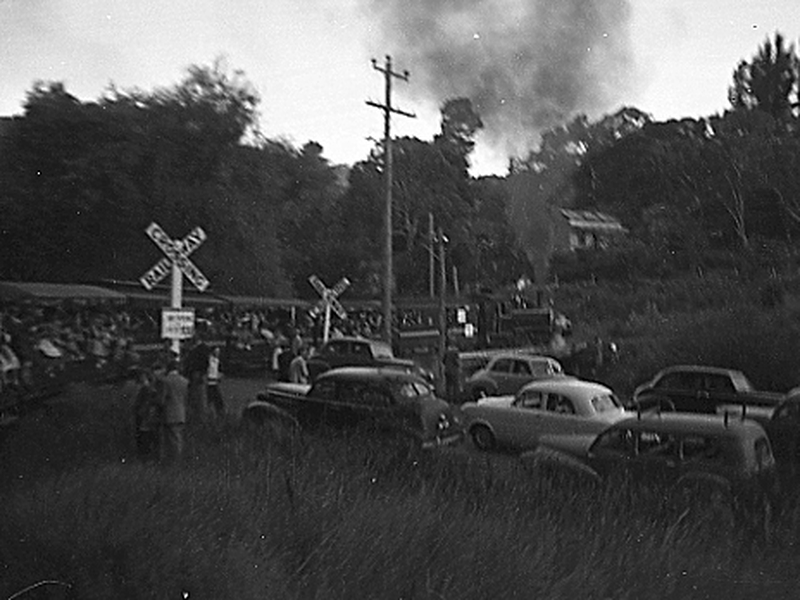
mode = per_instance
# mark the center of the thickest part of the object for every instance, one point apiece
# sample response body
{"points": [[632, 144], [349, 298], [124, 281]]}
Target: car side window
{"points": [[541, 369], [360, 349], [651, 443], [674, 381], [521, 368], [560, 404], [718, 383], [502, 365], [336, 348], [531, 399], [324, 390]]}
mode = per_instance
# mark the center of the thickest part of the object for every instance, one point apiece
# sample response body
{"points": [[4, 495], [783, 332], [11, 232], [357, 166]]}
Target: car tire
{"points": [[482, 437]]}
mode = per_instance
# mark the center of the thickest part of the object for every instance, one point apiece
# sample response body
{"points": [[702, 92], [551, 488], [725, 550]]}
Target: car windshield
{"points": [[412, 389], [605, 403]]}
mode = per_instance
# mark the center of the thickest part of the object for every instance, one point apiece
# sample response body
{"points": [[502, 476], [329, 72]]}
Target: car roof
{"points": [[567, 383], [697, 369], [683, 423], [370, 374], [525, 355]]}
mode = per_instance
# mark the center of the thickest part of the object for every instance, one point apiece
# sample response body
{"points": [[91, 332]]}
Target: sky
{"points": [[527, 64]]}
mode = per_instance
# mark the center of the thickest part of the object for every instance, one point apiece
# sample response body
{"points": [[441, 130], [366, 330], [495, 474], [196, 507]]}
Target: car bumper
{"points": [[443, 440]]}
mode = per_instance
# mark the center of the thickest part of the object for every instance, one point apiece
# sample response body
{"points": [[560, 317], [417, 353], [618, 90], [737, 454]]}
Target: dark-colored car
{"points": [[697, 388], [730, 454], [379, 399], [358, 352]]}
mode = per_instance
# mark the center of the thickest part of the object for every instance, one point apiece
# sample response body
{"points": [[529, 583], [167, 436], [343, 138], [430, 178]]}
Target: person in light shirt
{"points": [[213, 377]]}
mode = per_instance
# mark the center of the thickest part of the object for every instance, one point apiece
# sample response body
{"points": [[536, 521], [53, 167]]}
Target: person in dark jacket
{"points": [[147, 417], [173, 391]]}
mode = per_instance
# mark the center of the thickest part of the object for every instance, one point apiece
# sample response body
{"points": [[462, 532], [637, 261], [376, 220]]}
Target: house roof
{"points": [[592, 220]]}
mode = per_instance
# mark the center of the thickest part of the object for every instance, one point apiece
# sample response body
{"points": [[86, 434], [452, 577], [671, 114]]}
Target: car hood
{"points": [[496, 401], [294, 389]]}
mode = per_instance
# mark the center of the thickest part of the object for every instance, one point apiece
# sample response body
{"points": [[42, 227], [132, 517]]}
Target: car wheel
{"points": [[482, 437]]}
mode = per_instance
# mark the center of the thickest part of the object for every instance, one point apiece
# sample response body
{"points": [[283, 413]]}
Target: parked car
{"points": [[549, 407], [507, 372], [375, 398], [782, 424], [724, 453], [695, 388], [359, 352]]}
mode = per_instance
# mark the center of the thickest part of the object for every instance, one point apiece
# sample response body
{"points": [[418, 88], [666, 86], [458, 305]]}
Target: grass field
{"points": [[253, 515]]}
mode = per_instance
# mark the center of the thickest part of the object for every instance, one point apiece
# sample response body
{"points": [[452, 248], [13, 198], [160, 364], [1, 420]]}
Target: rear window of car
{"points": [[605, 403], [382, 351]]}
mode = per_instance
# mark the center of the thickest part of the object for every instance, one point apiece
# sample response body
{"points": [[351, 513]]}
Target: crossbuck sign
{"points": [[177, 253], [329, 301], [176, 261]]}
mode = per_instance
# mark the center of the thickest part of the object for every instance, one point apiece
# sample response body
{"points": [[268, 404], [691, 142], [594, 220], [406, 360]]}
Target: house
{"points": [[584, 229]]}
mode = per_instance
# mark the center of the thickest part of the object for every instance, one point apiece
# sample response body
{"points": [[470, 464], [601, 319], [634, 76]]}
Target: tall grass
{"points": [[253, 515]]}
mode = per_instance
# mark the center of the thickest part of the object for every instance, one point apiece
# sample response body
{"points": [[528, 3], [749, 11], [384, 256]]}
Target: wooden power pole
{"points": [[388, 109]]}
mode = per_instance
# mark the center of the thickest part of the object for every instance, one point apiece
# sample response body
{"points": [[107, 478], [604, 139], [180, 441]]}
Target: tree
{"points": [[769, 82]]}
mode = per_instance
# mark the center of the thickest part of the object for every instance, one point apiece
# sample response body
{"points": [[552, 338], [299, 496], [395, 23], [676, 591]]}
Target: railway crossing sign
{"points": [[176, 261], [328, 301], [177, 253]]}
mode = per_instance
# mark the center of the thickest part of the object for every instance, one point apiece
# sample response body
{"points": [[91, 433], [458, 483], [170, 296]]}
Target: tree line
{"points": [[80, 181]]}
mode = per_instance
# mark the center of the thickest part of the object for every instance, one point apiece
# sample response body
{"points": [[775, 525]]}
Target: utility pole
{"points": [[442, 240], [431, 256], [388, 109]]}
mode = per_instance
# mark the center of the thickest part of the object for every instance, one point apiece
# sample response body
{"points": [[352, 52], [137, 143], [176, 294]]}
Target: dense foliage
{"points": [[81, 180]]}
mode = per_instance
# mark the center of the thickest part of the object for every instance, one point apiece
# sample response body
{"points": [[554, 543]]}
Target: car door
{"points": [[561, 418], [522, 423], [680, 388], [519, 374], [319, 405], [500, 374], [657, 459], [717, 389]]}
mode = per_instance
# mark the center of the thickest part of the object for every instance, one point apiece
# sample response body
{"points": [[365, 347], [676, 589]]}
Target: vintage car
{"points": [[696, 388], [370, 398], [668, 449], [359, 352], [507, 372], [562, 406], [782, 424]]}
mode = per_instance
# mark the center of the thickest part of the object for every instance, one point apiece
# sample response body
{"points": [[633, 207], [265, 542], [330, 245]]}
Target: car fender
{"points": [[482, 382], [261, 411], [480, 421], [544, 457]]}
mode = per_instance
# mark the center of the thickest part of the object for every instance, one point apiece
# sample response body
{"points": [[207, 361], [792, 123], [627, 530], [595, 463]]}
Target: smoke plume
{"points": [[525, 64]]}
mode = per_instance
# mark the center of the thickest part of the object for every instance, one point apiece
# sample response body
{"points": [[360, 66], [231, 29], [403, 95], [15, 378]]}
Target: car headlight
{"points": [[443, 423]]}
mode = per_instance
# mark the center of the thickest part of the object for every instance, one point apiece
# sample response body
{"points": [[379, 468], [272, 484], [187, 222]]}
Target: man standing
{"points": [[212, 383], [173, 391], [196, 371], [298, 368]]}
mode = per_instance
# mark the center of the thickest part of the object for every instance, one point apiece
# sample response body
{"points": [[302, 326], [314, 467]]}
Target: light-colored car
{"points": [[506, 373], [556, 407]]}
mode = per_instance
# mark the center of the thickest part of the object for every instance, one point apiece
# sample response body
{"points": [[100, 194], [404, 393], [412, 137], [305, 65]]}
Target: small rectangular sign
{"points": [[177, 323]]}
